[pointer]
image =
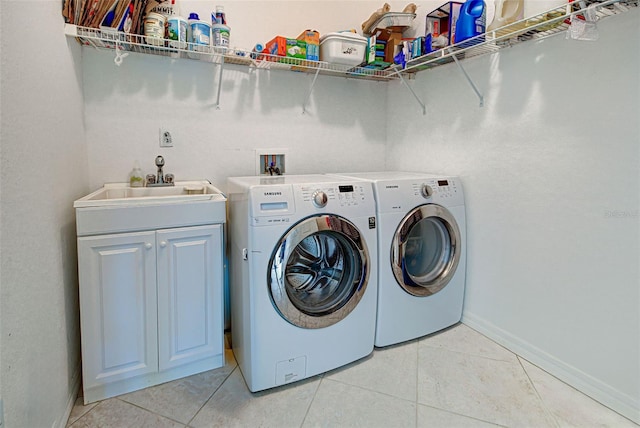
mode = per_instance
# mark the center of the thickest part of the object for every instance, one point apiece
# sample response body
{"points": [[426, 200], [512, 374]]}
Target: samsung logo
{"points": [[273, 193], [391, 187]]}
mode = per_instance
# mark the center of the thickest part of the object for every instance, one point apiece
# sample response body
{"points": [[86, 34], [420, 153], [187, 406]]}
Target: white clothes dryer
{"points": [[421, 253], [303, 280]]}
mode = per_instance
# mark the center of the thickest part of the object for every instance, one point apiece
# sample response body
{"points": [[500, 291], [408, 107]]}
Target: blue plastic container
{"points": [[471, 21]]}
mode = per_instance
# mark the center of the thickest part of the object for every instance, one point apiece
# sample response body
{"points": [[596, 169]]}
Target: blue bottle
{"points": [[470, 22]]}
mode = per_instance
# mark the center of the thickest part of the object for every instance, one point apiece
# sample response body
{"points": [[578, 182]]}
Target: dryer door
{"points": [[318, 271], [426, 250]]}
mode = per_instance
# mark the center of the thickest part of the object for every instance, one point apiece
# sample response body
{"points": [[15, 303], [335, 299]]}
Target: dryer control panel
{"points": [[446, 191], [402, 195]]}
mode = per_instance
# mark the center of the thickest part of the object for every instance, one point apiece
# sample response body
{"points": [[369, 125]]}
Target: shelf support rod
{"points": [[473, 86], [306, 100], [424, 108], [220, 82]]}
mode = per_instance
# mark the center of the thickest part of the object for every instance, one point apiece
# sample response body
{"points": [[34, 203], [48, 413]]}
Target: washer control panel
{"points": [[345, 195]]}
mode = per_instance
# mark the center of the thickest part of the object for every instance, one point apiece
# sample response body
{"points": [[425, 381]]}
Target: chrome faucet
{"points": [[160, 179], [160, 164]]}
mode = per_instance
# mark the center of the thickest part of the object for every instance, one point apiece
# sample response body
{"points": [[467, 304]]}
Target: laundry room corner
{"points": [[550, 168]]}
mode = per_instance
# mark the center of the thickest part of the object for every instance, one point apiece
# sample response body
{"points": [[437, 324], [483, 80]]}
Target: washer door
{"points": [[318, 271], [426, 250]]}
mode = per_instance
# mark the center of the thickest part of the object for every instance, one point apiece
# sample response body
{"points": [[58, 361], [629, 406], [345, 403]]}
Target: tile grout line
{"points": [[212, 394], [418, 404], [81, 417], [370, 390], [147, 410], [533, 385], [315, 393]]}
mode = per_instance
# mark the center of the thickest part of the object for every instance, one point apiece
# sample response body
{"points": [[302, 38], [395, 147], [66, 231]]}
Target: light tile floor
{"points": [[455, 378]]}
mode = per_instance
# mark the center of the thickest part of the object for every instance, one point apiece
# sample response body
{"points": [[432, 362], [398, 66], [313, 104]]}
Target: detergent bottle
{"points": [[470, 21], [507, 12]]}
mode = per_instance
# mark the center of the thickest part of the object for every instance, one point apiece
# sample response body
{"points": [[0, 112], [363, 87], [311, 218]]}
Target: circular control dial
{"points": [[426, 191], [320, 199]]}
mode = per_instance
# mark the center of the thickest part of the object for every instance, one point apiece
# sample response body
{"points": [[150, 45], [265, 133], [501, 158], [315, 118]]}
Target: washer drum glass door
{"points": [[426, 250], [318, 271]]}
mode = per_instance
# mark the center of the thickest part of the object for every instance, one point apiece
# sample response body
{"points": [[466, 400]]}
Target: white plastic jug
{"points": [[507, 12]]}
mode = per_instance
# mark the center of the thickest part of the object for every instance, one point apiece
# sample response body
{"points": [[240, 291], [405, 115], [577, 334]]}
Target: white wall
{"points": [[551, 173], [345, 122], [579, 268], [43, 169]]}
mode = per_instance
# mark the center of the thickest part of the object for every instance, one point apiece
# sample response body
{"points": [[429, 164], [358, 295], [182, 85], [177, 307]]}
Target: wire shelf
{"points": [[546, 24], [124, 43], [539, 27]]}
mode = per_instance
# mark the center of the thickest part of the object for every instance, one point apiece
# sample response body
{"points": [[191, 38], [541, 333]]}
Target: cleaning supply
{"points": [[220, 16], [177, 31], [176, 26], [198, 35], [136, 177], [220, 31], [470, 21], [220, 34], [154, 28], [507, 12]]}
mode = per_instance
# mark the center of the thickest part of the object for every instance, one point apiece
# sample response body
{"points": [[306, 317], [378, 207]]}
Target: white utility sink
{"points": [[116, 207], [121, 193]]}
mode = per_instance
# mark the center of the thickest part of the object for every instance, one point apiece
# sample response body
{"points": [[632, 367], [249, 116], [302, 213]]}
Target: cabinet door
{"points": [[118, 306], [190, 303]]}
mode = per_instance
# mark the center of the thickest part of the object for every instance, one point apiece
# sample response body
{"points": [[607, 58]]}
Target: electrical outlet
{"points": [[166, 140]]}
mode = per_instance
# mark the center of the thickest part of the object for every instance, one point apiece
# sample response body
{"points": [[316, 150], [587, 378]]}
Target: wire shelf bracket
{"points": [[219, 83], [473, 86], [403, 80]]}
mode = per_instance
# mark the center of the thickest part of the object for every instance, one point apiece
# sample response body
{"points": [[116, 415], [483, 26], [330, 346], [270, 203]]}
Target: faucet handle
{"points": [[168, 178]]}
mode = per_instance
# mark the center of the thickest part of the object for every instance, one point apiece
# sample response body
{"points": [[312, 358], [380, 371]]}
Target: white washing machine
{"points": [[303, 279], [421, 253]]}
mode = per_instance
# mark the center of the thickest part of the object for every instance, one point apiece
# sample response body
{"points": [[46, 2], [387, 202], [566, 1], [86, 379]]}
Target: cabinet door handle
{"points": [[163, 244], [148, 246]]}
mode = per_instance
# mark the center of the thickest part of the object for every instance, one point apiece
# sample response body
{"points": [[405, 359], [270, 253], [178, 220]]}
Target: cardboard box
{"points": [[312, 41], [282, 46], [392, 42], [441, 24]]}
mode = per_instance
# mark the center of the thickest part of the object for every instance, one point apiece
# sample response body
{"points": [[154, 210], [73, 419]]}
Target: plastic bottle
{"points": [[507, 12], [176, 27], [154, 28], [136, 177], [220, 17], [470, 21], [198, 35], [220, 31]]}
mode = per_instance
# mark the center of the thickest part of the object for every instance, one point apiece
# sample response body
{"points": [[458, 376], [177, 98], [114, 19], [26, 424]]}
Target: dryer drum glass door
{"points": [[318, 272], [426, 250]]}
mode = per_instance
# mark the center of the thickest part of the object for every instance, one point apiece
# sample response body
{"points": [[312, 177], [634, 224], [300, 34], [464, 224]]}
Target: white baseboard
{"points": [[73, 394], [583, 382]]}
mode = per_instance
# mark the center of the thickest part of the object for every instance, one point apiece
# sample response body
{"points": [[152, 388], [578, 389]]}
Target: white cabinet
{"points": [[151, 307]]}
